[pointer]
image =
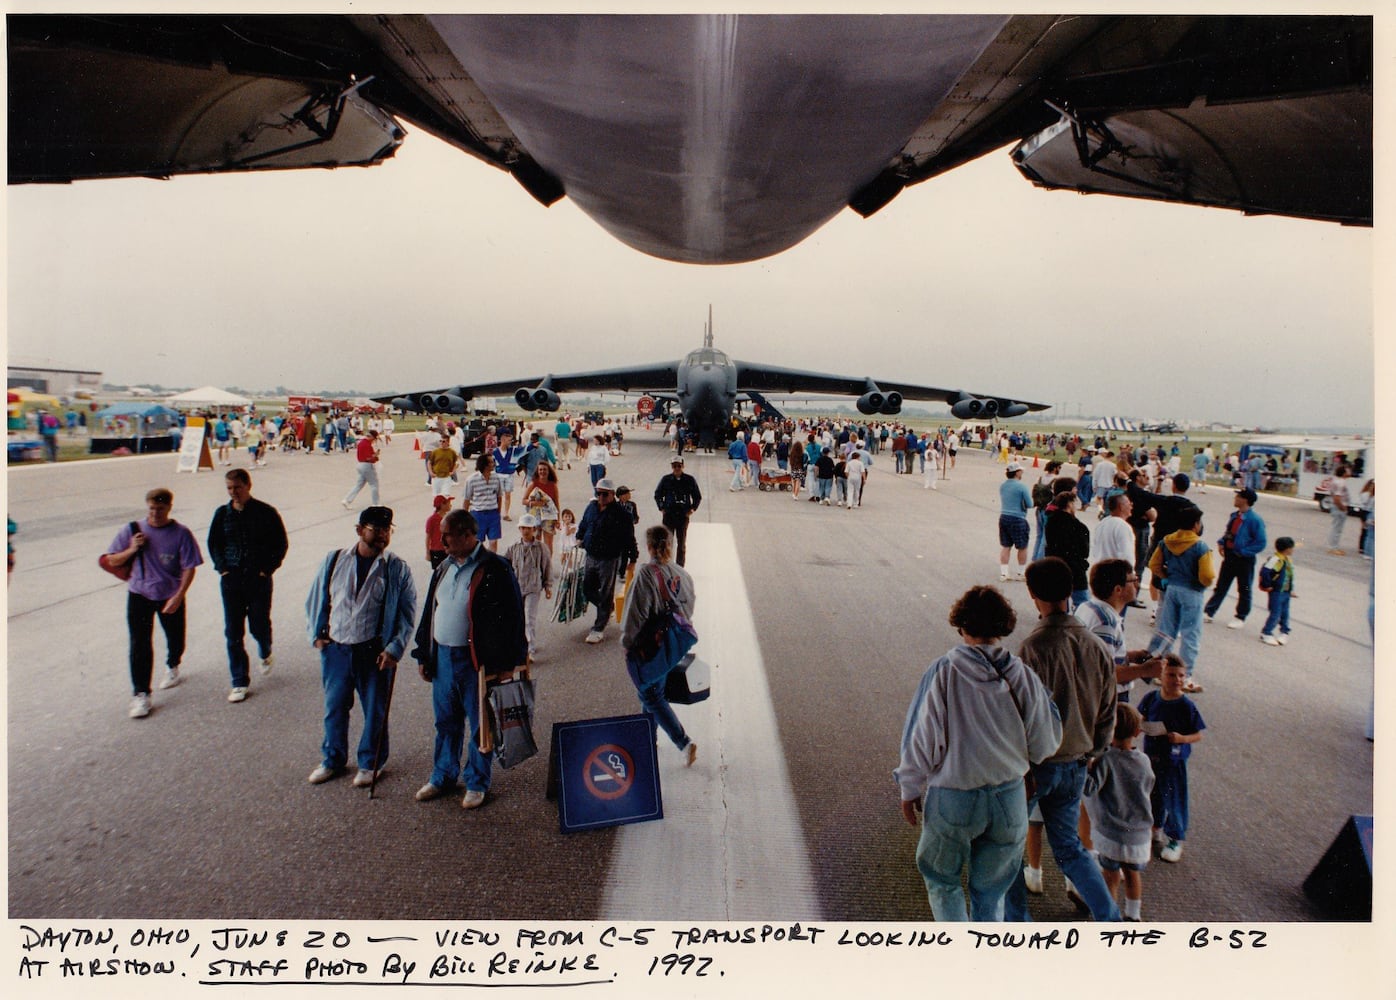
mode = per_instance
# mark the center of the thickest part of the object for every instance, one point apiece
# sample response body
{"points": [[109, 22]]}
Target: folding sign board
{"points": [[606, 773]]}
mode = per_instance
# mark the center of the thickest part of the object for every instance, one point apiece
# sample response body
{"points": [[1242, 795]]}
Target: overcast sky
{"points": [[434, 269]]}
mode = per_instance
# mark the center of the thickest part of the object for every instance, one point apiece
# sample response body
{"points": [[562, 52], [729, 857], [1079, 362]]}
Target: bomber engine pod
{"points": [[872, 402], [442, 402], [405, 403], [523, 395], [892, 404], [1014, 410], [545, 399], [968, 407]]}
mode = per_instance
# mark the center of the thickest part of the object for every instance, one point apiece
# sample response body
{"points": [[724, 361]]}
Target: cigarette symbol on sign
{"points": [[608, 772]]}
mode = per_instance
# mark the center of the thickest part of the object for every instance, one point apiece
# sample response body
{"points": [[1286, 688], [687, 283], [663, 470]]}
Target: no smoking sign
{"points": [[606, 772]]}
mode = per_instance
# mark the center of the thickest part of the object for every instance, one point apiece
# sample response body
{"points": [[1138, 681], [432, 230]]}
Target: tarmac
{"points": [[819, 620]]}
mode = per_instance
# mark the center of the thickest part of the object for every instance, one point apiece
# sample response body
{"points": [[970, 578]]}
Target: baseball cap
{"points": [[1014, 467], [377, 517], [622, 489], [676, 460], [529, 521], [605, 484], [444, 500]]}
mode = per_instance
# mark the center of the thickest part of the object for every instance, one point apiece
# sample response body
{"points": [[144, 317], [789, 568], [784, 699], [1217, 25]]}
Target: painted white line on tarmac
{"points": [[730, 845]]}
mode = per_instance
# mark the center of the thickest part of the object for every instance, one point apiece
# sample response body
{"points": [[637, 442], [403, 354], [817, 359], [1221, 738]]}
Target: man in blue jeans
{"points": [[359, 615], [1079, 673]]}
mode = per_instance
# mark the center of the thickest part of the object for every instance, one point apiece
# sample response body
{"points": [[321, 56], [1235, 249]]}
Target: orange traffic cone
{"points": [[1035, 462], [416, 444]]}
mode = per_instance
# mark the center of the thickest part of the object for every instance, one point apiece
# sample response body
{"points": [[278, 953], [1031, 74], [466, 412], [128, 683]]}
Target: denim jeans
{"points": [[1169, 798], [1242, 570], [141, 613], [1180, 618], [456, 705], [346, 671], [656, 705], [1058, 795], [1039, 542], [598, 473], [246, 606], [738, 464], [982, 827], [1279, 613]]}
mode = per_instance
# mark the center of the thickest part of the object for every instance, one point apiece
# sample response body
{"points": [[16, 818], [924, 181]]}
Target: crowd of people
{"points": [[999, 751], [477, 621]]}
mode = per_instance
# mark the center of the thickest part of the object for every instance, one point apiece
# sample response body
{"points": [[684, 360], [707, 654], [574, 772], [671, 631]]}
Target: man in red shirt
{"points": [[367, 453]]}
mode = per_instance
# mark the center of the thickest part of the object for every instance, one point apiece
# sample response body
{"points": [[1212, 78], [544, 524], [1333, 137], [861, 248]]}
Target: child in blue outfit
{"points": [[1172, 724], [1277, 579]]}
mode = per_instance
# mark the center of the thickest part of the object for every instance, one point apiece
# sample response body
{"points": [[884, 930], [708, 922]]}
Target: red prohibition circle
{"points": [[612, 767]]}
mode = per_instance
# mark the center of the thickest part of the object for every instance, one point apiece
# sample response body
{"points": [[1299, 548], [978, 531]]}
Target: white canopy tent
{"points": [[209, 395]]}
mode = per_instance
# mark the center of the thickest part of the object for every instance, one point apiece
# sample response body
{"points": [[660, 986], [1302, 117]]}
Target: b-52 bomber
{"points": [[707, 386]]}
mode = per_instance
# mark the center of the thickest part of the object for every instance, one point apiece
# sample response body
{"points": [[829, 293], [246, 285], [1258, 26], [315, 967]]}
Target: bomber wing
{"points": [[875, 395], [718, 138], [655, 379]]}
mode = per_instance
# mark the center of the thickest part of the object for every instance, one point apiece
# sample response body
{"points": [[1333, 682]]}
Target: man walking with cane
{"points": [[359, 615]]}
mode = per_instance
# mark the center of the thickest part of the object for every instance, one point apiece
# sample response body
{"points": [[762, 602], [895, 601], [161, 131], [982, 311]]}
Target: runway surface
{"points": [[820, 622]]}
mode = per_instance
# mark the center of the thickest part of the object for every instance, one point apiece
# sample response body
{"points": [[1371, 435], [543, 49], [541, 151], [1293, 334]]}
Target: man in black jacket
{"points": [[471, 628], [246, 542], [677, 497], [607, 533]]}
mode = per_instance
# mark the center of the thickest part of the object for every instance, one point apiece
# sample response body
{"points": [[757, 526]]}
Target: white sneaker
{"points": [[1282, 638], [1032, 878], [140, 706], [362, 779], [1269, 640], [593, 637], [268, 662], [237, 694], [322, 774], [1172, 852], [428, 792], [1207, 619], [1236, 623], [472, 800], [1019, 575], [171, 678]]}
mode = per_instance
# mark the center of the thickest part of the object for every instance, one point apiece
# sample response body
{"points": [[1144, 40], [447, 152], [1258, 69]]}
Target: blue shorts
{"points": [[1013, 531], [487, 524]]}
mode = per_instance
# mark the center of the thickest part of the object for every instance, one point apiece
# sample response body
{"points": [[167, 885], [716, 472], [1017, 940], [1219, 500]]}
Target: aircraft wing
{"points": [[789, 381], [655, 379], [717, 138]]}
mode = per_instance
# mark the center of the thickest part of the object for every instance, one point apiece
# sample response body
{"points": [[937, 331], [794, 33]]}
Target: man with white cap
{"points": [[607, 534], [1015, 500]]}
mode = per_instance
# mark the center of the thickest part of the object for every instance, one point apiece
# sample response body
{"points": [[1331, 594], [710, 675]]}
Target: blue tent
{"points": [[138, 408]]}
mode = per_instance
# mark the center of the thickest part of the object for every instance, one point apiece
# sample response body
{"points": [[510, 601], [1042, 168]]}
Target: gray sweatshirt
{"points": [[963, 729]]}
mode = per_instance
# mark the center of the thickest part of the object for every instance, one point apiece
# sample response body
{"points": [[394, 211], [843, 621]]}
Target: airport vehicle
{"points": [[1312, 461], [707, 387], [717, 138], [1318, 457]]}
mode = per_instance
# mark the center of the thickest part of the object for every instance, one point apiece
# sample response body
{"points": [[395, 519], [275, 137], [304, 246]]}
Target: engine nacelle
{"points": [[546, 399], [991, 408], [441, 402], [1014, 410], [872, 402], [524, 397], [892, 404], [405, 404], [968, 408]]}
